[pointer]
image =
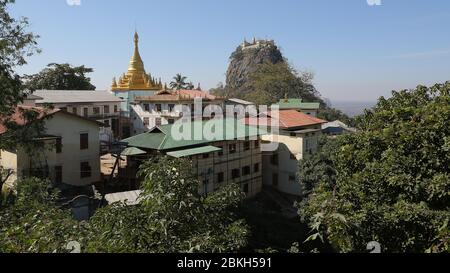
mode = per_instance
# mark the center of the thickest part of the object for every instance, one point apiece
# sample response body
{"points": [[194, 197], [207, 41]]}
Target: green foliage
{"points": [[60, 77], [171, 216], [271, 82], [32, 223], [318, 167], [15, 45], [392, 182]]}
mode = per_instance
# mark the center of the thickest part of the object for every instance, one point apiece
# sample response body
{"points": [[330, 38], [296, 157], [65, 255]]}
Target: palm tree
{"points": [[190, 86], [179, 82]]}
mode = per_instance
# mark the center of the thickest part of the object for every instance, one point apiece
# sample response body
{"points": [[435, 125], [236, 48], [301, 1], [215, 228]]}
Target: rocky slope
{"points": [[245, 60]]}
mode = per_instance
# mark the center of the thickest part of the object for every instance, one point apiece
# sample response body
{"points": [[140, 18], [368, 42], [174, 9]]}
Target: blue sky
{"points": [[358, 52]]}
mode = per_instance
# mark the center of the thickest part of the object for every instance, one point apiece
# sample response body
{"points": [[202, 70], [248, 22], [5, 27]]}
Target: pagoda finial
{"points": [[114, 83]]}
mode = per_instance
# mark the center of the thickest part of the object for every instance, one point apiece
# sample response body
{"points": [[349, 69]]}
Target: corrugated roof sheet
{"points": [[239, 101], [194, 151], [298, 104], [179, 135], [132, 151], [286, 119], [18, 118], [75, 96], [129, 197]]}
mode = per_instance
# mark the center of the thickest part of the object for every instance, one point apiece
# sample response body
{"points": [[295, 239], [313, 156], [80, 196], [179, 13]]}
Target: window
{"points": [[220, 153], [293, 134], [256, 168], [158, 108], [274, 159], [96, 110], [64, 109], [232, 148], [146, 121], [275, 179], [292, 177], [85, 170], [107, 124], [246, 170], [171, 107], [146, 107], [75, 110], [116, 109], [256, 144], [158, 121], [84, 141], [85, 112], [171, 121], [246, 145], [205, 156], [246, 188], [235, 173], [220, 177], [106, 109], [58, 145], [58, 175]]}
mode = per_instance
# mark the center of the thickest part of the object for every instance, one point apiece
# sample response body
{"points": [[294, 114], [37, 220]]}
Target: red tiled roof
{"points": [[196, 94], [287, 119], [19, 119], [168, 95]]}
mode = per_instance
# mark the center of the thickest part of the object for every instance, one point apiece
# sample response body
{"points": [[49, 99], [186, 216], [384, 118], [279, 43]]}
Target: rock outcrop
{"points": [[245, 60]]}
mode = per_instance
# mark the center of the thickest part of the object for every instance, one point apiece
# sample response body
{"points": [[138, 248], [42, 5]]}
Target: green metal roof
{"points": [[132, 151], [298, 104], [180, 135], [194, 151]]}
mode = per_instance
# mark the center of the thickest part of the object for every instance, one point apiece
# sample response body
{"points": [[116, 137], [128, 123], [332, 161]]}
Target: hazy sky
{"points": [[358, 52]]}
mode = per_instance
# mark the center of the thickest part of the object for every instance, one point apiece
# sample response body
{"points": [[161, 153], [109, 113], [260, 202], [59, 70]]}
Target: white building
{"points": [[160, 109], [101, 106], [297, 134], [70, 150]]}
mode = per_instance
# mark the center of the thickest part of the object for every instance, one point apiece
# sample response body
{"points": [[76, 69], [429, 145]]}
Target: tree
{"points": [[318, 167], [179, 82], [15, 45], [272, 82], [31, 221], [393, 183], [61, 77], [172, 216]]}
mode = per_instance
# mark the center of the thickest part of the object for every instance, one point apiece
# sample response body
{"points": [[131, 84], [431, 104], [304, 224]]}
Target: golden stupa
{"points": [[136, 78]]}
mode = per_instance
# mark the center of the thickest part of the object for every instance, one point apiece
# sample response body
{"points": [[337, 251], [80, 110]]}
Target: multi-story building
{"points": [[231, 153], [296, 134], [67, 152], [160, 109], [101, 106], [309, 108]]}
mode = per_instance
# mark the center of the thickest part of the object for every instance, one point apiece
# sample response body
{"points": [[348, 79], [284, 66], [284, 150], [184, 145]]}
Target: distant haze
{"points": [[352, 108]]}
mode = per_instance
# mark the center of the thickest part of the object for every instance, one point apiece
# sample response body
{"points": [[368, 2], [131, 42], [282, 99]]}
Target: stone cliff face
{"points": [[247, 57]]}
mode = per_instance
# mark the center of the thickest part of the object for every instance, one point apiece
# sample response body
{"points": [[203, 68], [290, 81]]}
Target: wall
{"points": [[209, 168], [291, 149], [8, 160], [68, 128]]}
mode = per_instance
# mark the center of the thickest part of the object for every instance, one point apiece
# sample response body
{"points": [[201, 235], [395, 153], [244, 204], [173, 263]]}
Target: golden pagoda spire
{"points": [[136, 78], [136, 63]]}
